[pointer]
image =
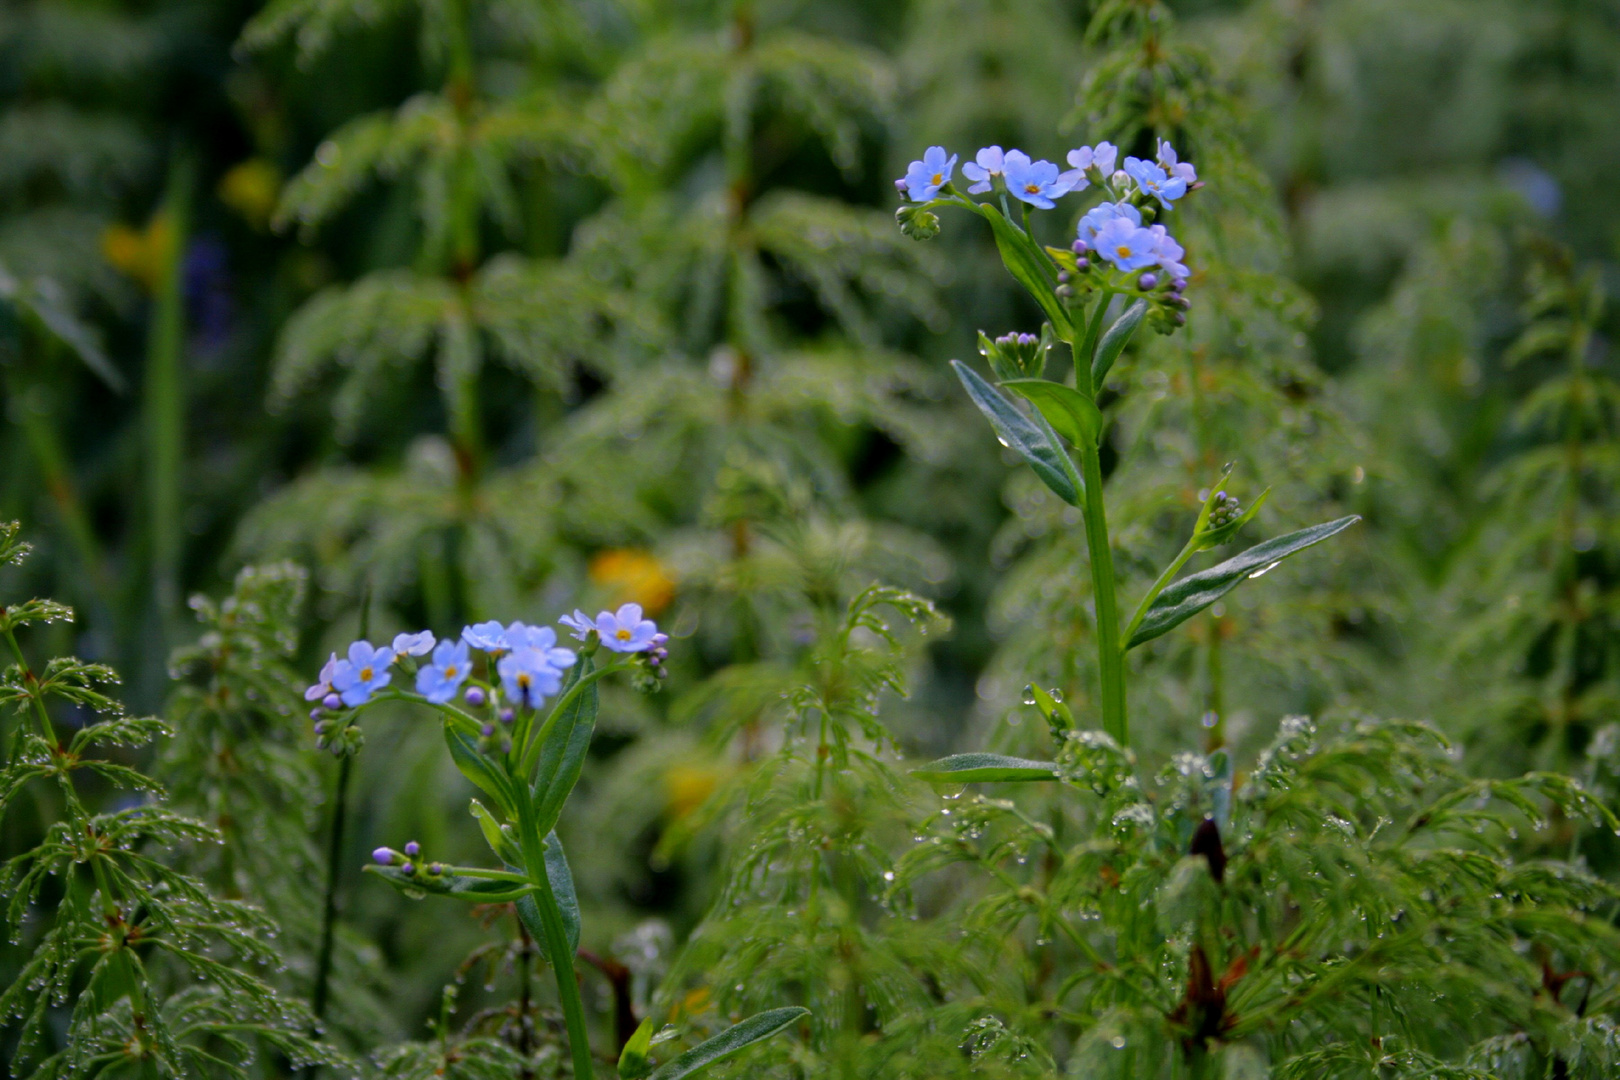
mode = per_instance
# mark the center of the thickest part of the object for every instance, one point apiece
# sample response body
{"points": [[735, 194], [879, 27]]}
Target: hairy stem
{"points": [[334, 866], [562, 953], [1110, 657]]}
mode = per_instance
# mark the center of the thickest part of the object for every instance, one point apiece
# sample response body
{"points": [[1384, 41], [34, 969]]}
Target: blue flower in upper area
{"points": [[1153, 180], [543, 639], [1079, 161], [323, 685], [1101, 214], [1034, 182], [983, 169], [488, 636], [1181, 169], [924, 178], [439, 681], [579, 624], [527, 677], [625, 630], [1126, 244], [1168, 253], [363, 673], [1104, 157], [419, 644]]}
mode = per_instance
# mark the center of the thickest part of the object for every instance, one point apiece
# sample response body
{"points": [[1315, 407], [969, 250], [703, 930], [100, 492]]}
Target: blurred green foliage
{"points": [[463, 309]]}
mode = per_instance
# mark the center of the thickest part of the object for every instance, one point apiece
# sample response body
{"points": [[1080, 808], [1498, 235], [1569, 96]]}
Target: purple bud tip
{"points": [[383, 856], [316, 713], [487, 730], [409, 868], [1080, 247], [1028, 339], [331, 701], [436, 868], [413, 849], [1082, 264], [507, 716], [1147, 281], [900, 184], [1063, 275], [475, 696]]}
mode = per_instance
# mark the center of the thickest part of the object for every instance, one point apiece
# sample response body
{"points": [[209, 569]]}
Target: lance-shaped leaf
{"points": [[1113, 342], [478, 768], [1071, 413], [1026, 262], [477, 889], [633, 1058], [1192, 594], [729, 1042], [562, 755], [986, 768], [1036, 443], [562, 888]]}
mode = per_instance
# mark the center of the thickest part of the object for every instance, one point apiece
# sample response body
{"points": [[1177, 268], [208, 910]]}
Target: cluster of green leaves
{"points": [[1350, 904], [134, 966]]}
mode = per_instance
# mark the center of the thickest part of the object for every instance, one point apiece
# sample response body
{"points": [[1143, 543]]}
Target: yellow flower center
{"points": [[523, 680], [1123, 251], [622, 634], [1032, 189], [450, 671], [939, 178], [365, 674]]}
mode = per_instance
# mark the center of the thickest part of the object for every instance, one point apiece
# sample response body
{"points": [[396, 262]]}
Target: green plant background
{"points": [[449, 310]]}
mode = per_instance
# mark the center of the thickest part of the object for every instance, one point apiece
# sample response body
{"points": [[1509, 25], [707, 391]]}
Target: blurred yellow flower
{"points": [[687, 787], [634, 576], [252, 188], [141, 254]]}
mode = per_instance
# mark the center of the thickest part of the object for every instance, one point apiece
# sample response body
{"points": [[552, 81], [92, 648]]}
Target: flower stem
{"points": [[557, 944], [334, 861], [1110, 657]]}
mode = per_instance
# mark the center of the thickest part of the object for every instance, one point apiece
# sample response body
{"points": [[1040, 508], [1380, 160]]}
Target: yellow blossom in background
{"points": [[687, 787], [137, 253], [252, 189], [634, 576]]}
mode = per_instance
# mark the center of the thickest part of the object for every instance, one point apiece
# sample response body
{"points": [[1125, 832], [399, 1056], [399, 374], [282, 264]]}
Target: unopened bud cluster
{"points": [[1014, 356], [410, 860], [1224, 510]]}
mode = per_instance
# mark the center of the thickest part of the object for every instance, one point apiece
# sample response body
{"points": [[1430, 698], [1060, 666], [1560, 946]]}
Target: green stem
{"points": [[562, 953], [334, 866], [1088, 346], [1110, 657], [531, 744]]}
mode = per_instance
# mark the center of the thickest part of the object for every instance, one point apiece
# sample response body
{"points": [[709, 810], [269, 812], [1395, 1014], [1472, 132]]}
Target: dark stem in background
{"points": [[624, 1010], [334, 868]]}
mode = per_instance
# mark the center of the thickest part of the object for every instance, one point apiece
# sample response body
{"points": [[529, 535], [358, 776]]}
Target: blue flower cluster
{"points": [[523, 665], [1118, 231]]}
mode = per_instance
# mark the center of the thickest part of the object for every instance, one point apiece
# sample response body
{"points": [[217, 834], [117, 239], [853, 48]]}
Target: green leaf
{"points": [[562, 888], [633, 1059], [986, 768], [562, 755], [1032, 441], [476, 889], [1113, 342], [477, 768], [1070, 412], [729, 1042], [505, 847], [1192, 594], [1029, 265]]}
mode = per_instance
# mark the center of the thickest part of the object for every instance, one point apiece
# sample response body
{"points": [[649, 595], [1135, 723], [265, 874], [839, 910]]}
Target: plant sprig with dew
{"points": [[490, 688]]}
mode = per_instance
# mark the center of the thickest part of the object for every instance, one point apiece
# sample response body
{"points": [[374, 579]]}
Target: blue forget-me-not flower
{"points": [[983, 169], [418, 644], [527, 677], [363, 673], [1155, 181], [1034, 182], [924, 178], [1101, 214], [1126, 244], [439, 681], [489, 636], [323, 685], [625, 631]]}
